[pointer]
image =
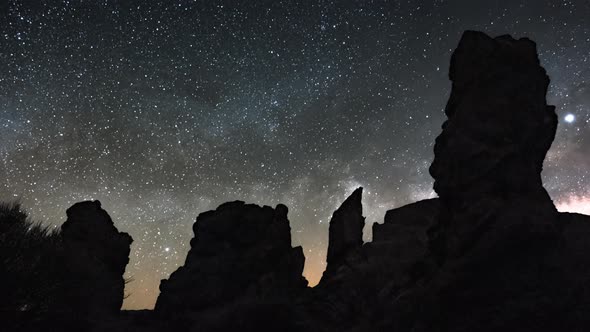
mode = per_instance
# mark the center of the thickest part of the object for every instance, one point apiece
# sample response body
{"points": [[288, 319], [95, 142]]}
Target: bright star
{"points": [[569, 118]]}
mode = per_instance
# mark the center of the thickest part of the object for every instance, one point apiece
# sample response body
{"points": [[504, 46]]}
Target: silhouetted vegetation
{"points": [[31, 260]]}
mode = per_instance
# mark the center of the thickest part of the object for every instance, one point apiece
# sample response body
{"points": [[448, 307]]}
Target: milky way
{"points": [[165, 109]]}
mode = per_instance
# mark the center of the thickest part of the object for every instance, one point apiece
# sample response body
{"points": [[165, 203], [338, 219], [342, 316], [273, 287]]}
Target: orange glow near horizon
{"points": [[142, 293]]}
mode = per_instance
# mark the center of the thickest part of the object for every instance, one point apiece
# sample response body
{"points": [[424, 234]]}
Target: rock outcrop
{"points": [[499, 126], [498, 228], [240, 257], [491, 253], [489, 156], [96, 257], [345, 233], [355, 290], [400, 245], [500, 258]]}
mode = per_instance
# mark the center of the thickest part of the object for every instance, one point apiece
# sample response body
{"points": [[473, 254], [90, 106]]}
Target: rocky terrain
{"points": [[491, 253]]}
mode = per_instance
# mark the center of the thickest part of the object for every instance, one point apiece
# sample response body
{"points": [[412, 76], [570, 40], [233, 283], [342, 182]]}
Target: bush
{"points": [[31, 263]]}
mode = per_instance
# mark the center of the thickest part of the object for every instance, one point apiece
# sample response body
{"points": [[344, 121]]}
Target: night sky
{"points": [[165, 109]]}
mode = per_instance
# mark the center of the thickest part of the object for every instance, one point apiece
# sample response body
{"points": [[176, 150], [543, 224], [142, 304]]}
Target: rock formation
{"points": [[96, 257], [492, 253], [489, 156], [346, 232], [241, 255], [499, 126], [500, 258], [400, 244], [356, 289], [498, 227]]}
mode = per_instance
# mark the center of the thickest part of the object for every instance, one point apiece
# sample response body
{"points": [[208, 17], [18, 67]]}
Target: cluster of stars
{"points": [[165, 109]]}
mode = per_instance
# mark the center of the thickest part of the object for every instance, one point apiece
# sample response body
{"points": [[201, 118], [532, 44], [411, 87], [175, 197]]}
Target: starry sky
{"points": [[165, 109]]}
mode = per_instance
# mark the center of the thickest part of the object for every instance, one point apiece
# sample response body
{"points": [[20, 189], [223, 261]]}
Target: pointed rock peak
{"points": [[346, 230], [354, 201]]}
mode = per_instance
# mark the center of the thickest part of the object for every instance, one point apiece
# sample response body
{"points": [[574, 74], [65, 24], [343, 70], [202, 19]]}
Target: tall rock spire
{"points": [[346, 230], [499, 125], [97, 254]]}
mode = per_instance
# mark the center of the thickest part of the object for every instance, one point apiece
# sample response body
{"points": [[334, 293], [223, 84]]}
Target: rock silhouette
{"points": [[346, 232], [492, 253], [97, 256], [498, 229], [355, 292], [241, 257], [499, 126]]}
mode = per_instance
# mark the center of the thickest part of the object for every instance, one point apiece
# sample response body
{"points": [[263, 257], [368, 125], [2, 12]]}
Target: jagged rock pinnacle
{"points": [[346, 229]]}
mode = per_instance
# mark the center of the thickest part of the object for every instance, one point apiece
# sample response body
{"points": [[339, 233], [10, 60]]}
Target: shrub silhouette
{"points": [[31, 258]]}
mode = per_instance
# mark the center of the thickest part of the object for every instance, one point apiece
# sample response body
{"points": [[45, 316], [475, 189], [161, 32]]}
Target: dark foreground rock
{"points": [[97, 254], [498, 232], [345, 234], [356, 293], [240, 267], [491, 253]]}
